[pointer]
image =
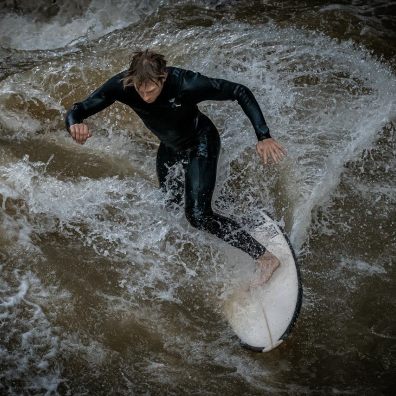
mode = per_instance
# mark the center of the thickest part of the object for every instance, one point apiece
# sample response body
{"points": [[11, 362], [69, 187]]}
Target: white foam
{"points": [[93, 352], [30, 345], [30, 32], [16, 298], [86, 209], [362, 267], [16, 122]]}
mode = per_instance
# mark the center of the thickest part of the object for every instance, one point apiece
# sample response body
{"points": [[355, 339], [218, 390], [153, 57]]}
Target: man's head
{"points": [[147, 74]]}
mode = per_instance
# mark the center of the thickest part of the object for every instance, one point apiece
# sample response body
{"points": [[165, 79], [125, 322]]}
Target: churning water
{"points": [[105, 291]]}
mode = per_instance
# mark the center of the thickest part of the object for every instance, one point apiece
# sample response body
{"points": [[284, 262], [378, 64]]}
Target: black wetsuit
{"points": [[187, 136]]}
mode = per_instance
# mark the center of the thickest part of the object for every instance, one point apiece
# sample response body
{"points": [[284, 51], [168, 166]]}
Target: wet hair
{"points": [[145, 66]]}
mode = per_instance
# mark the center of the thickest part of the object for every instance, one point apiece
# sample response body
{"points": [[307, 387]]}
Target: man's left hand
{"points": [[270, 151]]}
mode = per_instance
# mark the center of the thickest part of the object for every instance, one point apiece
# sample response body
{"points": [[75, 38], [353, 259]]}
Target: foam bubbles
{"points": [[29, 343], [69, 25]]}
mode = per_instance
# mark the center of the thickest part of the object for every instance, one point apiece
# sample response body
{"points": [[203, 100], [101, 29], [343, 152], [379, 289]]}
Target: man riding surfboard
{"points": [[166, 99]]}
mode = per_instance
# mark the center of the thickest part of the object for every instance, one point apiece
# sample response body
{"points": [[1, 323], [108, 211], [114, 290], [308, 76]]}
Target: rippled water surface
{"points": [[104, 291]]}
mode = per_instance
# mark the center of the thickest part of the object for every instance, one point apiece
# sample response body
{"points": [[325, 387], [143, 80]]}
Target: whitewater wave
{"points": [[43, 26]]}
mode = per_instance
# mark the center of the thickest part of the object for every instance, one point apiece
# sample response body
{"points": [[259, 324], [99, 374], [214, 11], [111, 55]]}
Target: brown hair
{"points": [[145, 66]]}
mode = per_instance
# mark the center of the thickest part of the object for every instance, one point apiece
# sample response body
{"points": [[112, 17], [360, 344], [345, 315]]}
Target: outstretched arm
{"points": [[95, 102], [198, 88]]}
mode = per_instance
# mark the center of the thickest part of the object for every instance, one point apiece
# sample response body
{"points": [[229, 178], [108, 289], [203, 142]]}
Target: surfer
{"points": [[166, 99]]}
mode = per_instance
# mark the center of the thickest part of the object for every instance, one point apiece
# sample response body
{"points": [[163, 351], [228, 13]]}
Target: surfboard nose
{"points": [[262, 316]]}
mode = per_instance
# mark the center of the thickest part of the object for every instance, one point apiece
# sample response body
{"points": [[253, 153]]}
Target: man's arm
{"points": [[197, 88], [95, 102]]}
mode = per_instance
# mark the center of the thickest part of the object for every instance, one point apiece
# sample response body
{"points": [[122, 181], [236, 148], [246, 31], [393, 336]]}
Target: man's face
{"points": [[150, 90]]}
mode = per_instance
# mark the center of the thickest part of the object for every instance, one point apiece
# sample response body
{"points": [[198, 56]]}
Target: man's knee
{"points": [[197, 218]]}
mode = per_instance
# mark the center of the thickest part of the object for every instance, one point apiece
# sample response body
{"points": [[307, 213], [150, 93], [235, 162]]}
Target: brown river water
{"points": [[105, 292]]}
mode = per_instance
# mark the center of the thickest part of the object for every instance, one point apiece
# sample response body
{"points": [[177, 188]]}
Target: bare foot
{"points": [[266, 266]]}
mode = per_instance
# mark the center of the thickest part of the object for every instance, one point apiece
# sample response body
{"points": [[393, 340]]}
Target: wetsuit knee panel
{"points": [[197, 218]]}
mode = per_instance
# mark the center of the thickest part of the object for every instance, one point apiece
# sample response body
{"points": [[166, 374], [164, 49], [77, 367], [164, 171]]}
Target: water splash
{"points": [[49, 26]]}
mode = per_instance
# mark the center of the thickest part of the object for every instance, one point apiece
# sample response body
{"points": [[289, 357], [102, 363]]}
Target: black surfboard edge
{"points": [[297, 309], [251, 348], [300, 290]]}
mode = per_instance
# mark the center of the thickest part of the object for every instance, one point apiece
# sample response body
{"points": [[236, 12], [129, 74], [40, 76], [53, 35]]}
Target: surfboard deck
{"points": [[263, 316]]}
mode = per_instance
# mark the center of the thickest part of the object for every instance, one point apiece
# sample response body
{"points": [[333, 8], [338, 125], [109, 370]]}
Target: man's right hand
{"points": [[80, 133]]}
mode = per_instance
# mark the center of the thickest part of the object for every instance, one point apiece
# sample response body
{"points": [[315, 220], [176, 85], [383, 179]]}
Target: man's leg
{"points": [[200, 183], [172, 186]]}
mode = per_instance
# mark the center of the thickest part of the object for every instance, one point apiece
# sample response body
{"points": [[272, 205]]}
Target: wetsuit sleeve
{"points": [[198, 88], [95, 102]]}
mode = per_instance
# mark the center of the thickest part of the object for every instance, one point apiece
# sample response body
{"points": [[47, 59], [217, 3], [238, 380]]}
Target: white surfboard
{"points": [[263, 316]]}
